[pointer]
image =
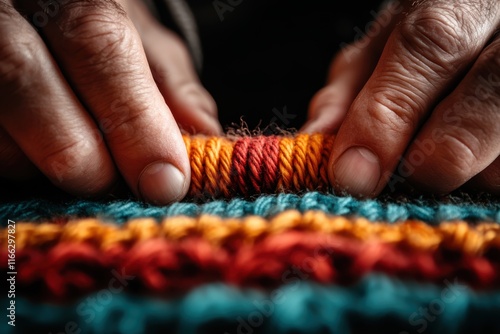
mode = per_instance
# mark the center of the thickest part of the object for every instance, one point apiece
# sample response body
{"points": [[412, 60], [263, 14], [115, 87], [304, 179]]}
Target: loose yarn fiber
{"points": [[260, 245]]}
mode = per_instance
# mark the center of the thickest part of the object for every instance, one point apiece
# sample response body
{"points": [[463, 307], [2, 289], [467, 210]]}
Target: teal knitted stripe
{"points": [[378, 304], [265, 205]]}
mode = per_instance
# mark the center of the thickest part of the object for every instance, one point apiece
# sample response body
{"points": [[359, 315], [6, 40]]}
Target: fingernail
{"points": [[357, 171], [161, 183]]}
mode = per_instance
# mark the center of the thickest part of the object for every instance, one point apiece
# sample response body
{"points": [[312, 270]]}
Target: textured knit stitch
{"points": [[457, 236], [60, 256], [377, 304], [429, 211], [70, 250], [67, 269]]}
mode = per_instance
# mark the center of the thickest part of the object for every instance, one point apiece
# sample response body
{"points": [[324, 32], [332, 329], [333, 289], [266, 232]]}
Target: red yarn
{"points": [[270, 163], [255, 164], [239, 172], [160, 265], [62, 269], [163, 266], [337, 259]]}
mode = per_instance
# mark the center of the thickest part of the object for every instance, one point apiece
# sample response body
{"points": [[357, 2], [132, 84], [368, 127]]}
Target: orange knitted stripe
{"points": [[459, 236]]}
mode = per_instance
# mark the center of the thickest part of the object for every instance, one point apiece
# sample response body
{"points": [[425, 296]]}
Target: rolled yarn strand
{"points": [[245, 166]]}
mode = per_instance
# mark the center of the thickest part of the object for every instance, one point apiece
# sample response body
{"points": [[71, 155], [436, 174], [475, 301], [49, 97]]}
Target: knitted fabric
{"points": [[260, 245], [71, 266], [119, 211], [376, 304]]}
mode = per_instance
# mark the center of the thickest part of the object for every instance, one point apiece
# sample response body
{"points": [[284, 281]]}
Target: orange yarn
{"points": [[459, 236], [225, 167]]}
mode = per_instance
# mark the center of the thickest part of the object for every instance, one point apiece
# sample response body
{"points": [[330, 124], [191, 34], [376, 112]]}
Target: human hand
{"points": [[418, 99], [83, 99]]}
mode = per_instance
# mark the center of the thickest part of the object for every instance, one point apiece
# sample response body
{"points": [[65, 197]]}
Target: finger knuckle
{"points": [[177, 47], [18, 51], [326, 97], [395, 110], [458, 155], [78, 10], [67, 160], [123, 121], [189, 87], [490, 60], [17, 64], [73, 166], [7, 11], [327, 93], [65, 154], [439, 36], [97, 31]]}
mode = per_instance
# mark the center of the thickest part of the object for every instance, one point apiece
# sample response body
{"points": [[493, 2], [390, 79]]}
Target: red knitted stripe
{"points": [[70, 269]]}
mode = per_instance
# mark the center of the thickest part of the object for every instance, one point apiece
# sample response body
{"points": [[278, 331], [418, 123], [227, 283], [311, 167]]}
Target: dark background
{"points": [[264, 55], [268, 54]]}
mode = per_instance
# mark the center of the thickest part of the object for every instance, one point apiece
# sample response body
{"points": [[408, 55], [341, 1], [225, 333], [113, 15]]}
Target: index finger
{"points": [[102, 56], [425, 55]]}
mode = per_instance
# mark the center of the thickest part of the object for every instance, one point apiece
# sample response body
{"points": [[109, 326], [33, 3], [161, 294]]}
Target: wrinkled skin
{"points": [[94, 91], [419, 95]]}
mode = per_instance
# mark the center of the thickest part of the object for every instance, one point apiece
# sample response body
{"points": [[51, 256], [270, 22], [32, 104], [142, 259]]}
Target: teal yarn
{"points": [[120, 211], [377, 304]]}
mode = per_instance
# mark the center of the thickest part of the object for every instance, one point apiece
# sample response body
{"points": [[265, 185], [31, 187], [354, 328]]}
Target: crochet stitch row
{"points": [[163, 267], [473, 240]]}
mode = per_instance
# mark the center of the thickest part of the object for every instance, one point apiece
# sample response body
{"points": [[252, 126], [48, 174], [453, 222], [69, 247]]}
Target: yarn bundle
{"points": [[260, 245]]}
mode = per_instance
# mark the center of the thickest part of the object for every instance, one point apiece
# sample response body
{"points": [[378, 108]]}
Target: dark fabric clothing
{"points": [[265, 55]]}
